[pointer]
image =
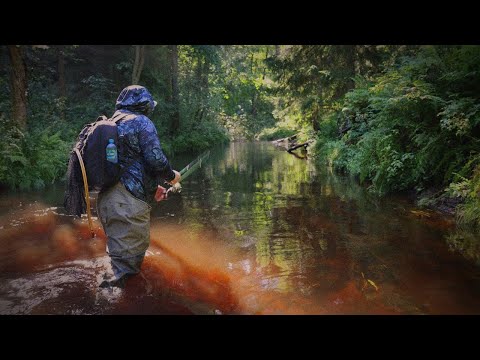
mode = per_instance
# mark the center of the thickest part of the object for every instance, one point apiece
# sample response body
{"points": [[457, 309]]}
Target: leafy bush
{"points": [[31, 160], [468, 213], [406, 129], [466, 243], [460, 115], [275, 133], [199, 137]]}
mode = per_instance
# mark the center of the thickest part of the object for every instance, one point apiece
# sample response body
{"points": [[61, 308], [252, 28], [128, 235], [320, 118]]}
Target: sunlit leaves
{"points": [[460, 115]]}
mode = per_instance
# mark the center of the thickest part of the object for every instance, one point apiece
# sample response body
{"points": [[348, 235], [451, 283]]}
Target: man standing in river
{"points": [[124, 209]]}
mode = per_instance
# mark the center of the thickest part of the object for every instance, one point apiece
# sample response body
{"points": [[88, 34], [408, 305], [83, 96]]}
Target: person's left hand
{"points": [[176, 179]]}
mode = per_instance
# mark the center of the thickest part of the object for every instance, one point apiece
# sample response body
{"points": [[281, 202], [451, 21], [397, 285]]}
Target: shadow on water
{"points": [[254, 231]]}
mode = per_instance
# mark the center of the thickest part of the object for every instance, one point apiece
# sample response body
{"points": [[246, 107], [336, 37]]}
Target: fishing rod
{"points": [[194, 165], [188, 170]]}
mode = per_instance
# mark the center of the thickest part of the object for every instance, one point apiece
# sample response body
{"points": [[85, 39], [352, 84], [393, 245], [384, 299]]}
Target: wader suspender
{"points": [[87, 195]]}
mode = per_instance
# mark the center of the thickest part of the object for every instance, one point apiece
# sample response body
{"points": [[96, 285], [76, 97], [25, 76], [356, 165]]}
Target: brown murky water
{"points": [[254, 231]]}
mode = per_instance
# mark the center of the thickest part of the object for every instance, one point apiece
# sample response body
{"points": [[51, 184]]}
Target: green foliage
{"points": [[334, 153], [31, 160], [201, 137], [276, 133], [224, 93], [466, 243], [468, 213], [460, 115], [459, 189], [243, 90], [405, 128], [327, 148]]}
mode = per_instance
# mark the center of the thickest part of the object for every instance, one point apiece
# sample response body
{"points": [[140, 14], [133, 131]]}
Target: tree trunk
{"points": [[62, 88], [138, 63], [254, 104], [264, 66], [198, 85], [315, 115], [350, 55], [205, 88], [175, 90], [346, 55], [296, 146], [202, 70], [277, 51], [205, 71], [18, 84]]}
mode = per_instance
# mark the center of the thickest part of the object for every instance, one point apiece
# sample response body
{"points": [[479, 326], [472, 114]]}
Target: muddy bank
{"points": [[437, 200]]}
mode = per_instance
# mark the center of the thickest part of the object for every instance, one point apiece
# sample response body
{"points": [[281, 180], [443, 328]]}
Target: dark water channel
{"points": [[254, 231]]}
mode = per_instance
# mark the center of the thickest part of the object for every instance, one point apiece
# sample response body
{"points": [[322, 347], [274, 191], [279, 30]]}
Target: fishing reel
{"points": [[175, 188]]}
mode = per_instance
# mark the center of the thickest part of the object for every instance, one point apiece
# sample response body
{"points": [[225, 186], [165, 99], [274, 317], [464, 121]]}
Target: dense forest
{"points": [[398, 118]]}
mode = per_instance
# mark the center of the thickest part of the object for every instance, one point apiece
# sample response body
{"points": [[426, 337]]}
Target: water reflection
{"points": [[254, 231], [308, 231]]}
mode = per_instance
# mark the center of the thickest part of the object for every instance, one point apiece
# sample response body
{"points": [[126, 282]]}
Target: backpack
{"points": [[92, 142], [101, 174]]}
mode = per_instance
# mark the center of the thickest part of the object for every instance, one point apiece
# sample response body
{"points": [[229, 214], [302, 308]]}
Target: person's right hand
{"points": [[176, 179], [161, 193]]}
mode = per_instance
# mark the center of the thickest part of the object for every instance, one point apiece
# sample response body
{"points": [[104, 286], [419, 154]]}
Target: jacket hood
{"points": [[136, 98]]}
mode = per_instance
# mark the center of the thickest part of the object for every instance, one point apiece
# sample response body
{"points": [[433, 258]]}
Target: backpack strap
{"points": [[116, 118], [119, 117]]}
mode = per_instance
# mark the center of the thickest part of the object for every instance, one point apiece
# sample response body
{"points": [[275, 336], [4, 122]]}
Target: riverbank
{"points": [[434, 198]]}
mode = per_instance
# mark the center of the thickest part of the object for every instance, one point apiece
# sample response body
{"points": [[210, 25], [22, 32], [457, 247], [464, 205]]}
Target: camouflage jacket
{"points": [[139, 145]]}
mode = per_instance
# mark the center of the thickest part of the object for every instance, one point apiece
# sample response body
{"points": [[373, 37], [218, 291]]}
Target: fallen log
{"points": [[283, 140], [296, 146], [298, 156]]}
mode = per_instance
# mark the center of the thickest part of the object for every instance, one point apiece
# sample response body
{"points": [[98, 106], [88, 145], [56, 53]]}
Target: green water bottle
{"points": [[112, 155]]}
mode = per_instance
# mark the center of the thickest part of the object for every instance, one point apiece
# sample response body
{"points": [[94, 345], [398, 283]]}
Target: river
{"points": [[255, 230]]}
